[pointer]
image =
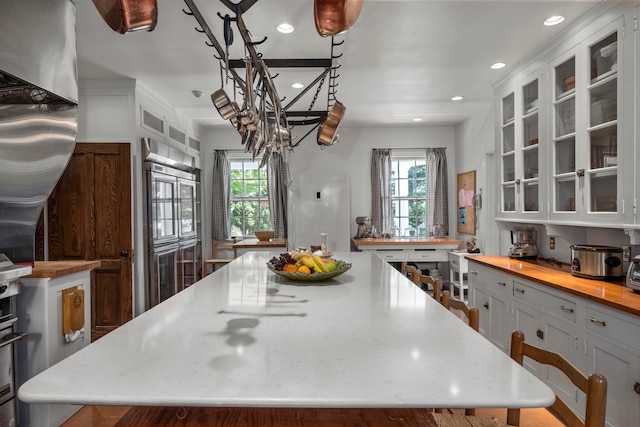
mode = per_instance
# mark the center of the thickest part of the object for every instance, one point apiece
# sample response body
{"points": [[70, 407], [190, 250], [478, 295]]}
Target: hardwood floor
{"points": [[110, 416]]}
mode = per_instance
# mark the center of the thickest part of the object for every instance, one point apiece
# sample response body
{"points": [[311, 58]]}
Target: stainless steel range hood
{"points": [[38, 113]]}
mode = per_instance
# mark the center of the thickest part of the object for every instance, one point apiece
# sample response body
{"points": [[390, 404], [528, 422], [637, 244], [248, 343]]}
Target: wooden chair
{"points": [[472, 313], [423, 282], [473, 319], [594, 386], [218, 248]]}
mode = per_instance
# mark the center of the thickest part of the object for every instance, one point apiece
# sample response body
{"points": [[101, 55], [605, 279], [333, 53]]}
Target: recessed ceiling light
{"points": [[498, 65], [285, 28], [297, 85], [456, 98], [553, 20], [417, 119]]}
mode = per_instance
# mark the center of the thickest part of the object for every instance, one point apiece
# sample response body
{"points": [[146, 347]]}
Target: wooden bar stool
{"points": [[224, 247]]}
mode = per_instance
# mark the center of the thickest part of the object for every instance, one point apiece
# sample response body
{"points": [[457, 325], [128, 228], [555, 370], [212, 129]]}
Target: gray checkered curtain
{"points": [[221, 192], [278, 180], [437, 209], [381, 213]]}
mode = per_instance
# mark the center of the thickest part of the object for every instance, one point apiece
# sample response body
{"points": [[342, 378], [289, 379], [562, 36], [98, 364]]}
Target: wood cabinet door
{"points": [[89, 218]]}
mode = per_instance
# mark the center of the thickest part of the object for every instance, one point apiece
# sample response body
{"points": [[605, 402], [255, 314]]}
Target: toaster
{"points": [[633, 274]]}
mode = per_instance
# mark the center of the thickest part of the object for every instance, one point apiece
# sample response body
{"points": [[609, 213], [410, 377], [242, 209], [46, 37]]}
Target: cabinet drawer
{"points": [[432, 255], [391, 255], [458, 262], [602, 322], [552, 304], [488, 277]]}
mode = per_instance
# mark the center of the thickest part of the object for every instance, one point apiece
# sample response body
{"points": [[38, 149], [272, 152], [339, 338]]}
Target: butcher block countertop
{"points": [[404, 241], [52, 269], [606, 293]]}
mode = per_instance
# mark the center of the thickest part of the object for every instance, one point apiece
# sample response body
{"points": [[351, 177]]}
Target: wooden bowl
{"points": [[264, 235]]}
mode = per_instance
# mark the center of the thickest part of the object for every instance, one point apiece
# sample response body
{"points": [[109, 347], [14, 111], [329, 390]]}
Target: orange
{"points": [[290, 268], [304, 269]]}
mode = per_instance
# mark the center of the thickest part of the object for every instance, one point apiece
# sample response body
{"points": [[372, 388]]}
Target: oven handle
{"points": [[12, 337]]}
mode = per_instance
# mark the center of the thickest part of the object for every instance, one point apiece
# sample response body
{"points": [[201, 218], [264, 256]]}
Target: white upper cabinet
{"points": [[522, 147], [566, 134]]}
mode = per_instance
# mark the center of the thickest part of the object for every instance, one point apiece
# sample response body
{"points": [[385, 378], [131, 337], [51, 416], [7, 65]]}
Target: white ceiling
{"points": [[402, 59]]}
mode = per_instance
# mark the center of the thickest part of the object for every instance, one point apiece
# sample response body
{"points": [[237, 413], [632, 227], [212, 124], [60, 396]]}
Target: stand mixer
{"points": [[364, 227], [524, 243]]}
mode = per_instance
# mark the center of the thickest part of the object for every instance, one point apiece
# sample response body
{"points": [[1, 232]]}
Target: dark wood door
{"points": [[89, 218]]}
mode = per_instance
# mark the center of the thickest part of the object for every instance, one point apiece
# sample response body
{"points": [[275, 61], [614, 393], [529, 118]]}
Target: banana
{"points": [[321, 267], [308, 261], [299, 255]]}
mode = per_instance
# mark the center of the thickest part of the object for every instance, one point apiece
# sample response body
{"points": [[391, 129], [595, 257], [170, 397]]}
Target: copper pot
{"points": [[128, 15], [335, 16], [328, 130]]}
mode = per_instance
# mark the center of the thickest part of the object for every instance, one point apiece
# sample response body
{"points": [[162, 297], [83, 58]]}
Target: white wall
{"points": [[351, 155]]}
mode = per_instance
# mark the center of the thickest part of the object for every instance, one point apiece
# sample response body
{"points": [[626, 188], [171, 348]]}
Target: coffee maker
{"points": [[364, 227], [524, 243]]}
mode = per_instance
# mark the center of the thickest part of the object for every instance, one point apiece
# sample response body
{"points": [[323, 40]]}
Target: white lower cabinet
{"points": [[491, 293], [603, 340], [612, 350], [548, 321]]}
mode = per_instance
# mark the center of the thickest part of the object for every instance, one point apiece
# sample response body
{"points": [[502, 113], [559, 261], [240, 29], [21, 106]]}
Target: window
{"points": [[249, 198], [408, 194]]}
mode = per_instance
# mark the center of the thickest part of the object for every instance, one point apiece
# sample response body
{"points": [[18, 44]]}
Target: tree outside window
{"points": [[408, 195], [249, 198]]}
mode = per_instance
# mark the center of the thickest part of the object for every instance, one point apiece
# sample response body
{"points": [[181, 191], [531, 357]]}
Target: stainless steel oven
{"points": [[9, 289]]}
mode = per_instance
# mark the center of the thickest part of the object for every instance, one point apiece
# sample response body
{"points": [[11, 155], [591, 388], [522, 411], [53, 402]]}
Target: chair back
{"points": [[423, 282], [222, 249], [594, 386], [472, 313]]}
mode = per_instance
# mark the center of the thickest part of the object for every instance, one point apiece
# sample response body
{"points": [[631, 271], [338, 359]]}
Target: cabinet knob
{"points": [[486, 305], [502, 283], [475, 273], [124, 254], [540, 334], [580, 172], [636, 388], [520, 291]]}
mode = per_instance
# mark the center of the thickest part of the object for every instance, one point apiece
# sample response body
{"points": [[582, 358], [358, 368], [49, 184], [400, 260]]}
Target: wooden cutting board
{"points": [[72, 310]]}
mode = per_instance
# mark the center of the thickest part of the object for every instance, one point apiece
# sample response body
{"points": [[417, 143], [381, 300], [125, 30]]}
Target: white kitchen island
{"points": [[244, 336]]}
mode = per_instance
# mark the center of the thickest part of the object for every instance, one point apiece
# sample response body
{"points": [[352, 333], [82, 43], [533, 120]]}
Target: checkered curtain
{"points": [[437, 211], [381, 213], [278, 180], [221, 191]]}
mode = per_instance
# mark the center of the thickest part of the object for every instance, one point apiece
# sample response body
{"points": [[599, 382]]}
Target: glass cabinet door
{"points": [[603, 127], [508, 175], [564, 136], [530, 158]]}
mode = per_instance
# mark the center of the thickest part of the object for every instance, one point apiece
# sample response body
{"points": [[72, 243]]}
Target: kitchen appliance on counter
{"points": [[596, 262], [524, 243], [364, 227], [633, 275]]}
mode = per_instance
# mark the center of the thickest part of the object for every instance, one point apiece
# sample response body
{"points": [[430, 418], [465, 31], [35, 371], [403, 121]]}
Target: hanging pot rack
{"points": [[281, 119]]}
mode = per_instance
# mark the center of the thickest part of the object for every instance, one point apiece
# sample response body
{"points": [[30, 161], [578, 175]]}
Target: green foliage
{"points": [[249, 199]]}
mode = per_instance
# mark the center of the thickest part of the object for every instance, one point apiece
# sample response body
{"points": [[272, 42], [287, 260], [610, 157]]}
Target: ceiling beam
{"points": [[286, 63]]}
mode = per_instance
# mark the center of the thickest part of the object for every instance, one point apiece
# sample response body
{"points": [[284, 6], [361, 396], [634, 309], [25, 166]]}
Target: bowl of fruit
{"points": [[305, 267]]}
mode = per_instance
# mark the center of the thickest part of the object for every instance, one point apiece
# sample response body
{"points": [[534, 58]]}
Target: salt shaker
{"points": [[323, 245]]}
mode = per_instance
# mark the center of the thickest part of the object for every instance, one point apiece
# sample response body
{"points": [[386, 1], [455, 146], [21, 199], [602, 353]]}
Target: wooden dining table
{"points": [[244, 337]]}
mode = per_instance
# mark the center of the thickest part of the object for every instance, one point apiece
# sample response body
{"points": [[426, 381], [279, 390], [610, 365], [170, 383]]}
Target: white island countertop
{"points": [[244, 336]]}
